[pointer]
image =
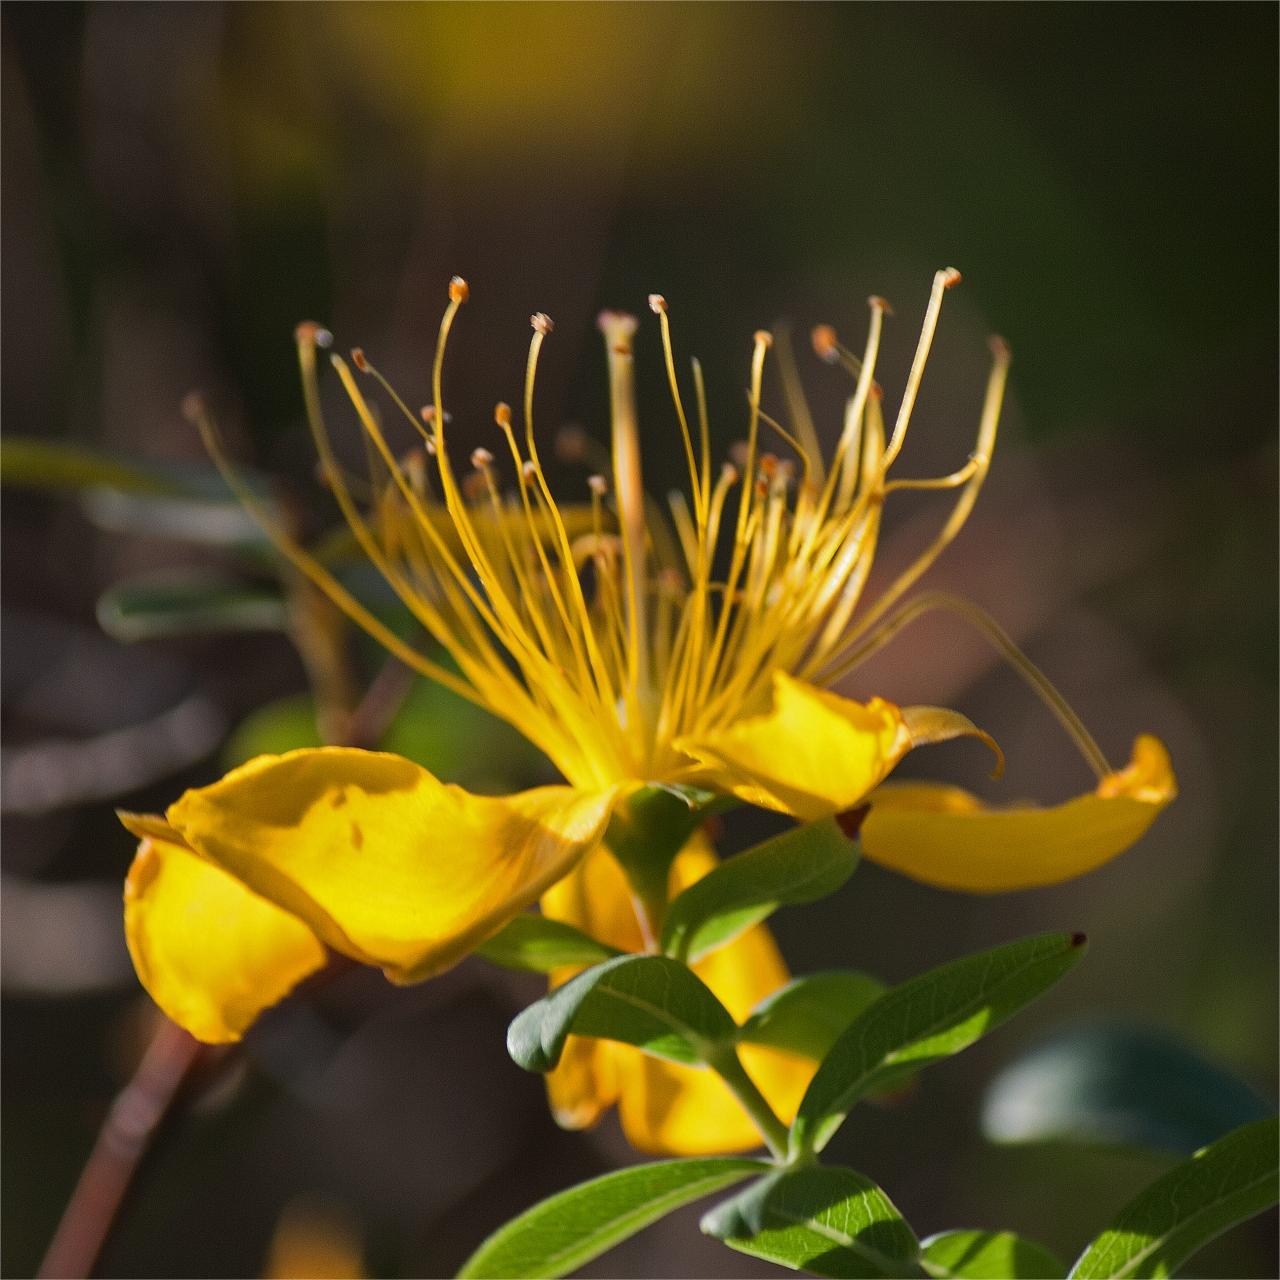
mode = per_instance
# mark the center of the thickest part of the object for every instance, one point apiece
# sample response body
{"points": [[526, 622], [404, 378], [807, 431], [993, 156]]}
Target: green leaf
{"points": [[823, 1219], [1224, 1184], [270, 730], [169, 499], [535, 943], [47, 464], [801, 865], [929, 1018], [568, 1230], [215, 522], [650, 1001], [808, 1014], [1115, 1084], [148, 607], [987, 1255]]}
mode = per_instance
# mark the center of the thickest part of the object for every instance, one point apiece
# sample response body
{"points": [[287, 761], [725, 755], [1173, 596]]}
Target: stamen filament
{"points": [[1001, 641]]}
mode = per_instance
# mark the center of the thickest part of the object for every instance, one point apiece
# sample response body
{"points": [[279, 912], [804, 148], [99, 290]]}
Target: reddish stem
{"points": [[126, 1134]]}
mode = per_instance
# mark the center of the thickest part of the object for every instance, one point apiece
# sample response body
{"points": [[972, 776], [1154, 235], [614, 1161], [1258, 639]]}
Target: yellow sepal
{"points": [[210, 953], [945, 836], [812, 754], [381, 860]]}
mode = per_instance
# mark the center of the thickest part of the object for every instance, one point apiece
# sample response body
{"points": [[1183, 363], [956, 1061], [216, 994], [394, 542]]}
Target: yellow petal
{"points": [[667, 1109], [382, 861], [584, 1084], [926, 725], [315, 1241], [945, 836], [813, 753], [210, 953]]}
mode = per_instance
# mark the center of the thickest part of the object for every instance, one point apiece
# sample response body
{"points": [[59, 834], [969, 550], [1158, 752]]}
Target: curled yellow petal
{"points": [[945, 836], [813, 753], [381, 860], [927, 725], [210, 953]]}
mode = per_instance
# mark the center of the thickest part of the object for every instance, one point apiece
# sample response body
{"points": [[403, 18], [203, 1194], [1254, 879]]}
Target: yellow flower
{"points": [[632, 649]]}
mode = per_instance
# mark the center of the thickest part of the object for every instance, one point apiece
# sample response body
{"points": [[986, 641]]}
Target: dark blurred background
{"points": [[184, 183]]}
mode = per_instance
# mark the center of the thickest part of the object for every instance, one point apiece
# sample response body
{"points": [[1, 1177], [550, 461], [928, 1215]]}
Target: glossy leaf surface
{"points": [[568, 1230], [540, 945], [653, 1002], [926, 1019], [987, 1255], [822, 1219], [1160, 1229], [800, 865], [808, 1015]]}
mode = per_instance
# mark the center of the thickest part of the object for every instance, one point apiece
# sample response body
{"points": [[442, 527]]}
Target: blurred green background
{"points": [[184, 183]]}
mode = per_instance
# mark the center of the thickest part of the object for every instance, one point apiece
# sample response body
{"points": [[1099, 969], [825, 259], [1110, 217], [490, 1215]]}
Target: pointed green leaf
{"points": [[808, 1014], [801, 865], [987, 1255], [568, 1230], [145, 608], [929, 1018], [650, 1001], [823, 1219], [51, 464], [1224, 1184], [1115, 1084], [541, 945]]}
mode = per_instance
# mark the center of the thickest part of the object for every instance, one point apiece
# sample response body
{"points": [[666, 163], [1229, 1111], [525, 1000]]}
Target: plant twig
{"points": [[170, 1061], [726, 1064]]}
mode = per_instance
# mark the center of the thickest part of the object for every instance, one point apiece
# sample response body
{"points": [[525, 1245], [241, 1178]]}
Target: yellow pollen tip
{"points": [[729, 473], [826, 345], [618, 327], [312, 334], [502, 414], [657, 303], [877, 303], [950, 277], [542, 322], [763, 338], [459, 290]]}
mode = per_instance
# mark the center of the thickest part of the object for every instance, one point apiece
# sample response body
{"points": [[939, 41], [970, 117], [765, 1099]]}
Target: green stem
{"points": [[726, 1064]]}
